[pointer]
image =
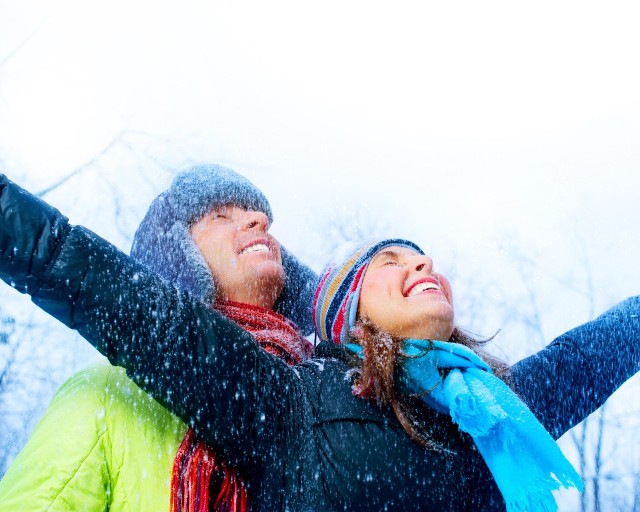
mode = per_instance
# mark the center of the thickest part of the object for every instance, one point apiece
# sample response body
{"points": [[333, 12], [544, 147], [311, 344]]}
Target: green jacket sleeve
{"points": [[64, 465]]}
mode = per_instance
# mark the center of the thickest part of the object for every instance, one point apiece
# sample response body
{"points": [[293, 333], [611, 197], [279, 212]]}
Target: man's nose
{"points": [[254, 220]]}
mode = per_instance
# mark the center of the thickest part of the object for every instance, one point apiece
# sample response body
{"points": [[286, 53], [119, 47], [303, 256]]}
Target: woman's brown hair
{"points": [[377, 375]]}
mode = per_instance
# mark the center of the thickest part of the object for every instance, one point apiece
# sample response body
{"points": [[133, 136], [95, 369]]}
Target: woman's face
{"points": [[404, 296]]}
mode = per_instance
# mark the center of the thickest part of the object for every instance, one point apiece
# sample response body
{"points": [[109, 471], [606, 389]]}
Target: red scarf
{"points": [[197, 470]]}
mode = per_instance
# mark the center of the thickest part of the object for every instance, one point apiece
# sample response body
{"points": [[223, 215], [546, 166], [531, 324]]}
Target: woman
{"points": [[385, 303], [299, 435]]}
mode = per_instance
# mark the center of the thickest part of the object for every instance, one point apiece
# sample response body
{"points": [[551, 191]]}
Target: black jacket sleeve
{"points": [[196, 362], [576, 373]]}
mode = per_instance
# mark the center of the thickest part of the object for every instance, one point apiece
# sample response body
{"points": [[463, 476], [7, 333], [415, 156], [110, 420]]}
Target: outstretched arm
{"points": [[193, 360], [576, 373]]}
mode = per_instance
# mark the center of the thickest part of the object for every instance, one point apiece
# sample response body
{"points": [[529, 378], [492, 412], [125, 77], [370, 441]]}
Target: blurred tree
{"points": [[24, 381], [599, 461], [37, 354]]}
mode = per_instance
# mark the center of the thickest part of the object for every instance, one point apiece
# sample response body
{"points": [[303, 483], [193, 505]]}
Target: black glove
{"points": [[31, 234]]}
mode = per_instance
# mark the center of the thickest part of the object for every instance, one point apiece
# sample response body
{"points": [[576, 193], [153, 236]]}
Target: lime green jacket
{"points": [[103, 444]]}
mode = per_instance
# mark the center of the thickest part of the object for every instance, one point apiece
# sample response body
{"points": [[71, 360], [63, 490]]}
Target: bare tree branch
{"points": [[23, 43], [117, 139]]}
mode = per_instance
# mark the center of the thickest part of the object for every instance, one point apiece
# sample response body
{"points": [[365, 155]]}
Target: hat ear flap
{"points": [[163, 243], [197, 277], [296, 300]]}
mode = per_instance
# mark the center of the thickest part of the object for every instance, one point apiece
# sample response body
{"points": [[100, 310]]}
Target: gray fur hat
{"points": [[164, 244]]}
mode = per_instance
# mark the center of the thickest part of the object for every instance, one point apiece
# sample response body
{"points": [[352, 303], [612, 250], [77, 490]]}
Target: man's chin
{"points": [[273, 281], [268, 266]]}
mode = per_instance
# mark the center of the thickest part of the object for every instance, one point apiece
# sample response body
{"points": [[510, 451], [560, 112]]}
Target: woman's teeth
{"points": [[422, 287]]}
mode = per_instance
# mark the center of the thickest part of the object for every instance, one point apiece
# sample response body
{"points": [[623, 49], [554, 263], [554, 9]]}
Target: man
{"points": [[104, 444]]}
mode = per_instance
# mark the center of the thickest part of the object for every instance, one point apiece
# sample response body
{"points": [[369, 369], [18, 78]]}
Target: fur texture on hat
{"points": [[164, 244], [335, 303]]}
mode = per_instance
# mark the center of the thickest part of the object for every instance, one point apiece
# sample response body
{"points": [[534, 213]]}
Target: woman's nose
{"points": [[254, 220], [423, 264]]}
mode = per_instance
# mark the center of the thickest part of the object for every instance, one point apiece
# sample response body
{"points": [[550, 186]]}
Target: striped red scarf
{"points": [[201, 482]]}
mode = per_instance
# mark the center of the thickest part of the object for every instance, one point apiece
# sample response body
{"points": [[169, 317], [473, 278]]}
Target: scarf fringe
{"points": [[194, 466]]}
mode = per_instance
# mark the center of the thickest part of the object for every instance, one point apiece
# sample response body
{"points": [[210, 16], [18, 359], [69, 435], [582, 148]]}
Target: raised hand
{"points": [[31, 231]]}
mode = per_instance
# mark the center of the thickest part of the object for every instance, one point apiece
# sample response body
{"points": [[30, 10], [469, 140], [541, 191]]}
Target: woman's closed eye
{"points": [[386, 258]]}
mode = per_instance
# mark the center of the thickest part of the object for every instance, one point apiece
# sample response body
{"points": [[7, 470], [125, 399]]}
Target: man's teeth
{"points": [[422, 287], [256, 248]]}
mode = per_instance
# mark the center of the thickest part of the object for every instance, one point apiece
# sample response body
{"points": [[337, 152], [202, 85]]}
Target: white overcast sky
{"points": [[464, 124]]}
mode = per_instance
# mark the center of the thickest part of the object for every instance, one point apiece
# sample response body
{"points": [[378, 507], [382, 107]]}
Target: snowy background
{"points": [[504, 137]]}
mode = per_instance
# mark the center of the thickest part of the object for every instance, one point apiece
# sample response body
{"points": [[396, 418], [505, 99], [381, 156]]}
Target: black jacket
{"points": [[299, 436]]}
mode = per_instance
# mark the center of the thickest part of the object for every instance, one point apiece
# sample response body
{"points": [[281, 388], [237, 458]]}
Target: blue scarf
{"points": [[525, 461]]}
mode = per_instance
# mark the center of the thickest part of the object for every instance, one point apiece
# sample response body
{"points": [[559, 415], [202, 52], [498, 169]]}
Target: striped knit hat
{"points": [[335, 304]]}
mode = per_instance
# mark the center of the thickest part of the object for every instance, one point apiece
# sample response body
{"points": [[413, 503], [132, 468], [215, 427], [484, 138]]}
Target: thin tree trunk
{"points": [[597, 460]]}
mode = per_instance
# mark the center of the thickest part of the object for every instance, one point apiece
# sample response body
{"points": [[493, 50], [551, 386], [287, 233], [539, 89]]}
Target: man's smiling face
{"points": [[244, 258]]}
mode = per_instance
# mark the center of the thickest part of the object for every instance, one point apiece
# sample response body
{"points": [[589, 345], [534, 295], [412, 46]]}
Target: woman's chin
{"points": [[433, 329]]}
